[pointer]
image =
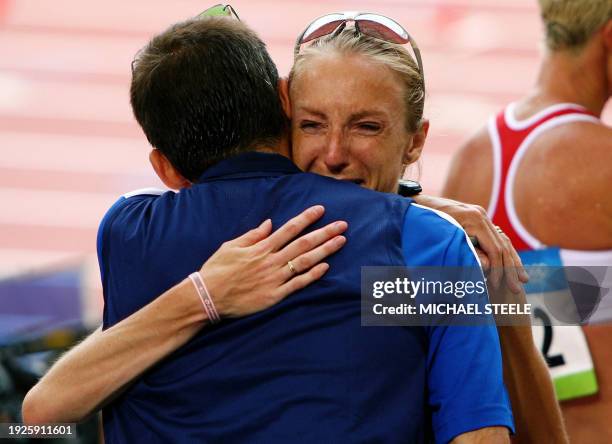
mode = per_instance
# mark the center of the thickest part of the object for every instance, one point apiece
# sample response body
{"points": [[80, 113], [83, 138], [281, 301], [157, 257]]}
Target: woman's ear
{"points": [[415, 148], [166, 171], [283, 91]]}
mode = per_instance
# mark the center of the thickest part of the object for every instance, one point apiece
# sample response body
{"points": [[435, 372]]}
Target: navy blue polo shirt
{"points": [[304, 370]]}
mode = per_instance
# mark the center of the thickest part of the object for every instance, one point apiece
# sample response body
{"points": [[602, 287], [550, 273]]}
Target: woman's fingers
{"points": [[255, 235], [301, 280], [249, 274], [484, 260], [518, 263], [490, 244], [514, 271], [511, 269], [292, 228], [310, 241], [311, 258]]}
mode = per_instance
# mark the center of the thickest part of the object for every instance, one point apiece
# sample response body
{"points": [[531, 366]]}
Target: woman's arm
{"points": [[104, 363], [97, 369], [537, 415]]}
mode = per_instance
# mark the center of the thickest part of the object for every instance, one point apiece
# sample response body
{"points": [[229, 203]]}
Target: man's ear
{"points": [[166, 171], [414, 150], [283, 92]]}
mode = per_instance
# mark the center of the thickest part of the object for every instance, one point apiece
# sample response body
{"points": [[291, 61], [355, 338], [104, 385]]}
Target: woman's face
{"points": [[348, 122]]}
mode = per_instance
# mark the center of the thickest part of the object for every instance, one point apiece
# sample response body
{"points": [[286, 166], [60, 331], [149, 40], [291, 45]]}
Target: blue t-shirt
{"points": [[471, 353], [304, 370]]}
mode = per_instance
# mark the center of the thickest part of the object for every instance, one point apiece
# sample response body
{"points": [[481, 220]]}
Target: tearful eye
{"points": [[310, 125], [371, 127]]}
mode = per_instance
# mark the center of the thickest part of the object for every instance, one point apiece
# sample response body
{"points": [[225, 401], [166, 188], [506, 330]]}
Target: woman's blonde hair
{"points": [[569, 24], [393, 56]]}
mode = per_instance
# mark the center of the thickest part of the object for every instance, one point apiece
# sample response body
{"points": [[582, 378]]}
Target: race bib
{"points": [[553, 308]]}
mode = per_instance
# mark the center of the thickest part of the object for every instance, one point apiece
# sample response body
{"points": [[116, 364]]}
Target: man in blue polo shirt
{"points": [[303, 370]]}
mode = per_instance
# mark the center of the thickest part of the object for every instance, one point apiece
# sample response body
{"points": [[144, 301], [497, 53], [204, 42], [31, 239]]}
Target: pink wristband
{"points": [[209, 306]]}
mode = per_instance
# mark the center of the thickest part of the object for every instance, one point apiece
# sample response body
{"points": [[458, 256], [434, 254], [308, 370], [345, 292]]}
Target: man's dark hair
{"points": [[204, 90]]}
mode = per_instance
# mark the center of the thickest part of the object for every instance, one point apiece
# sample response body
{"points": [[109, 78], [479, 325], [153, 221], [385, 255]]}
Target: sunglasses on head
{"points": [[373, 25], [219, 10], [214, 11]]}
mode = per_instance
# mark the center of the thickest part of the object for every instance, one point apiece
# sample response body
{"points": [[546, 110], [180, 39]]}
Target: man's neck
{"points": [[282, 147], [571, 77]]}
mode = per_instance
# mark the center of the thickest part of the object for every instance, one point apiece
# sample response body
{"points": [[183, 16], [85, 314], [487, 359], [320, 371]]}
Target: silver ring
{"points": [[291, 267]]}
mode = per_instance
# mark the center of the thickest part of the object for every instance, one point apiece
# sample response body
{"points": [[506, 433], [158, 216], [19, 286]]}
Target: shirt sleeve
{"points": [[102, 247], [465, 383], [109, 241]]}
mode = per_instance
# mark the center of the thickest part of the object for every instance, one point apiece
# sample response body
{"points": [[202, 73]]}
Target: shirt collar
{"points": [[250, 164]]}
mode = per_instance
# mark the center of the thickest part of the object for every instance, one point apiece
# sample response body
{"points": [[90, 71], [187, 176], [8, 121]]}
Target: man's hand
{"points": [[497, 255]]}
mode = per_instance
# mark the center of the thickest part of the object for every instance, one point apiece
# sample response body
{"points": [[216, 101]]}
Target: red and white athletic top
{"points": [[510, 139]]}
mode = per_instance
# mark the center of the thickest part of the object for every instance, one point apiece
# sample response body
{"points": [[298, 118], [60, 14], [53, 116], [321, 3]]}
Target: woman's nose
{"points": [[336, 153]]}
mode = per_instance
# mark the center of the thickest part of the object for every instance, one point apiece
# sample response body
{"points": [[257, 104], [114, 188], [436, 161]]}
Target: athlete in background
{"points": [[543, 169]]}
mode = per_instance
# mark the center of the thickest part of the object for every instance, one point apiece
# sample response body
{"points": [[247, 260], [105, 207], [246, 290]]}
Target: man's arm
{"points": [[107, 361]]}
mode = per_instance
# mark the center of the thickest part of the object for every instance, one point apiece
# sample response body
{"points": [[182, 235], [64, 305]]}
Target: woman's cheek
{"points": [[304, 154]]}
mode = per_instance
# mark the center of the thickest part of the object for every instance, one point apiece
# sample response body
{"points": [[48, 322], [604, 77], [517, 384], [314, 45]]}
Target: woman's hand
{"points": [[252, 272], [245, 275], [499, 259]]}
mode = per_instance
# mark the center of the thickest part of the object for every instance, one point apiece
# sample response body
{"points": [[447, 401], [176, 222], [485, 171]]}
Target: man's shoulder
{"points": [[128, 200], [125, 211], [132, 197], [433, 238], [349, 190], [438, 223], [144, 193]]}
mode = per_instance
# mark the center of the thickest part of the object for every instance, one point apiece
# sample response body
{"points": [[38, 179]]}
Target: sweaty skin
{"points": [[562, 192]]}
